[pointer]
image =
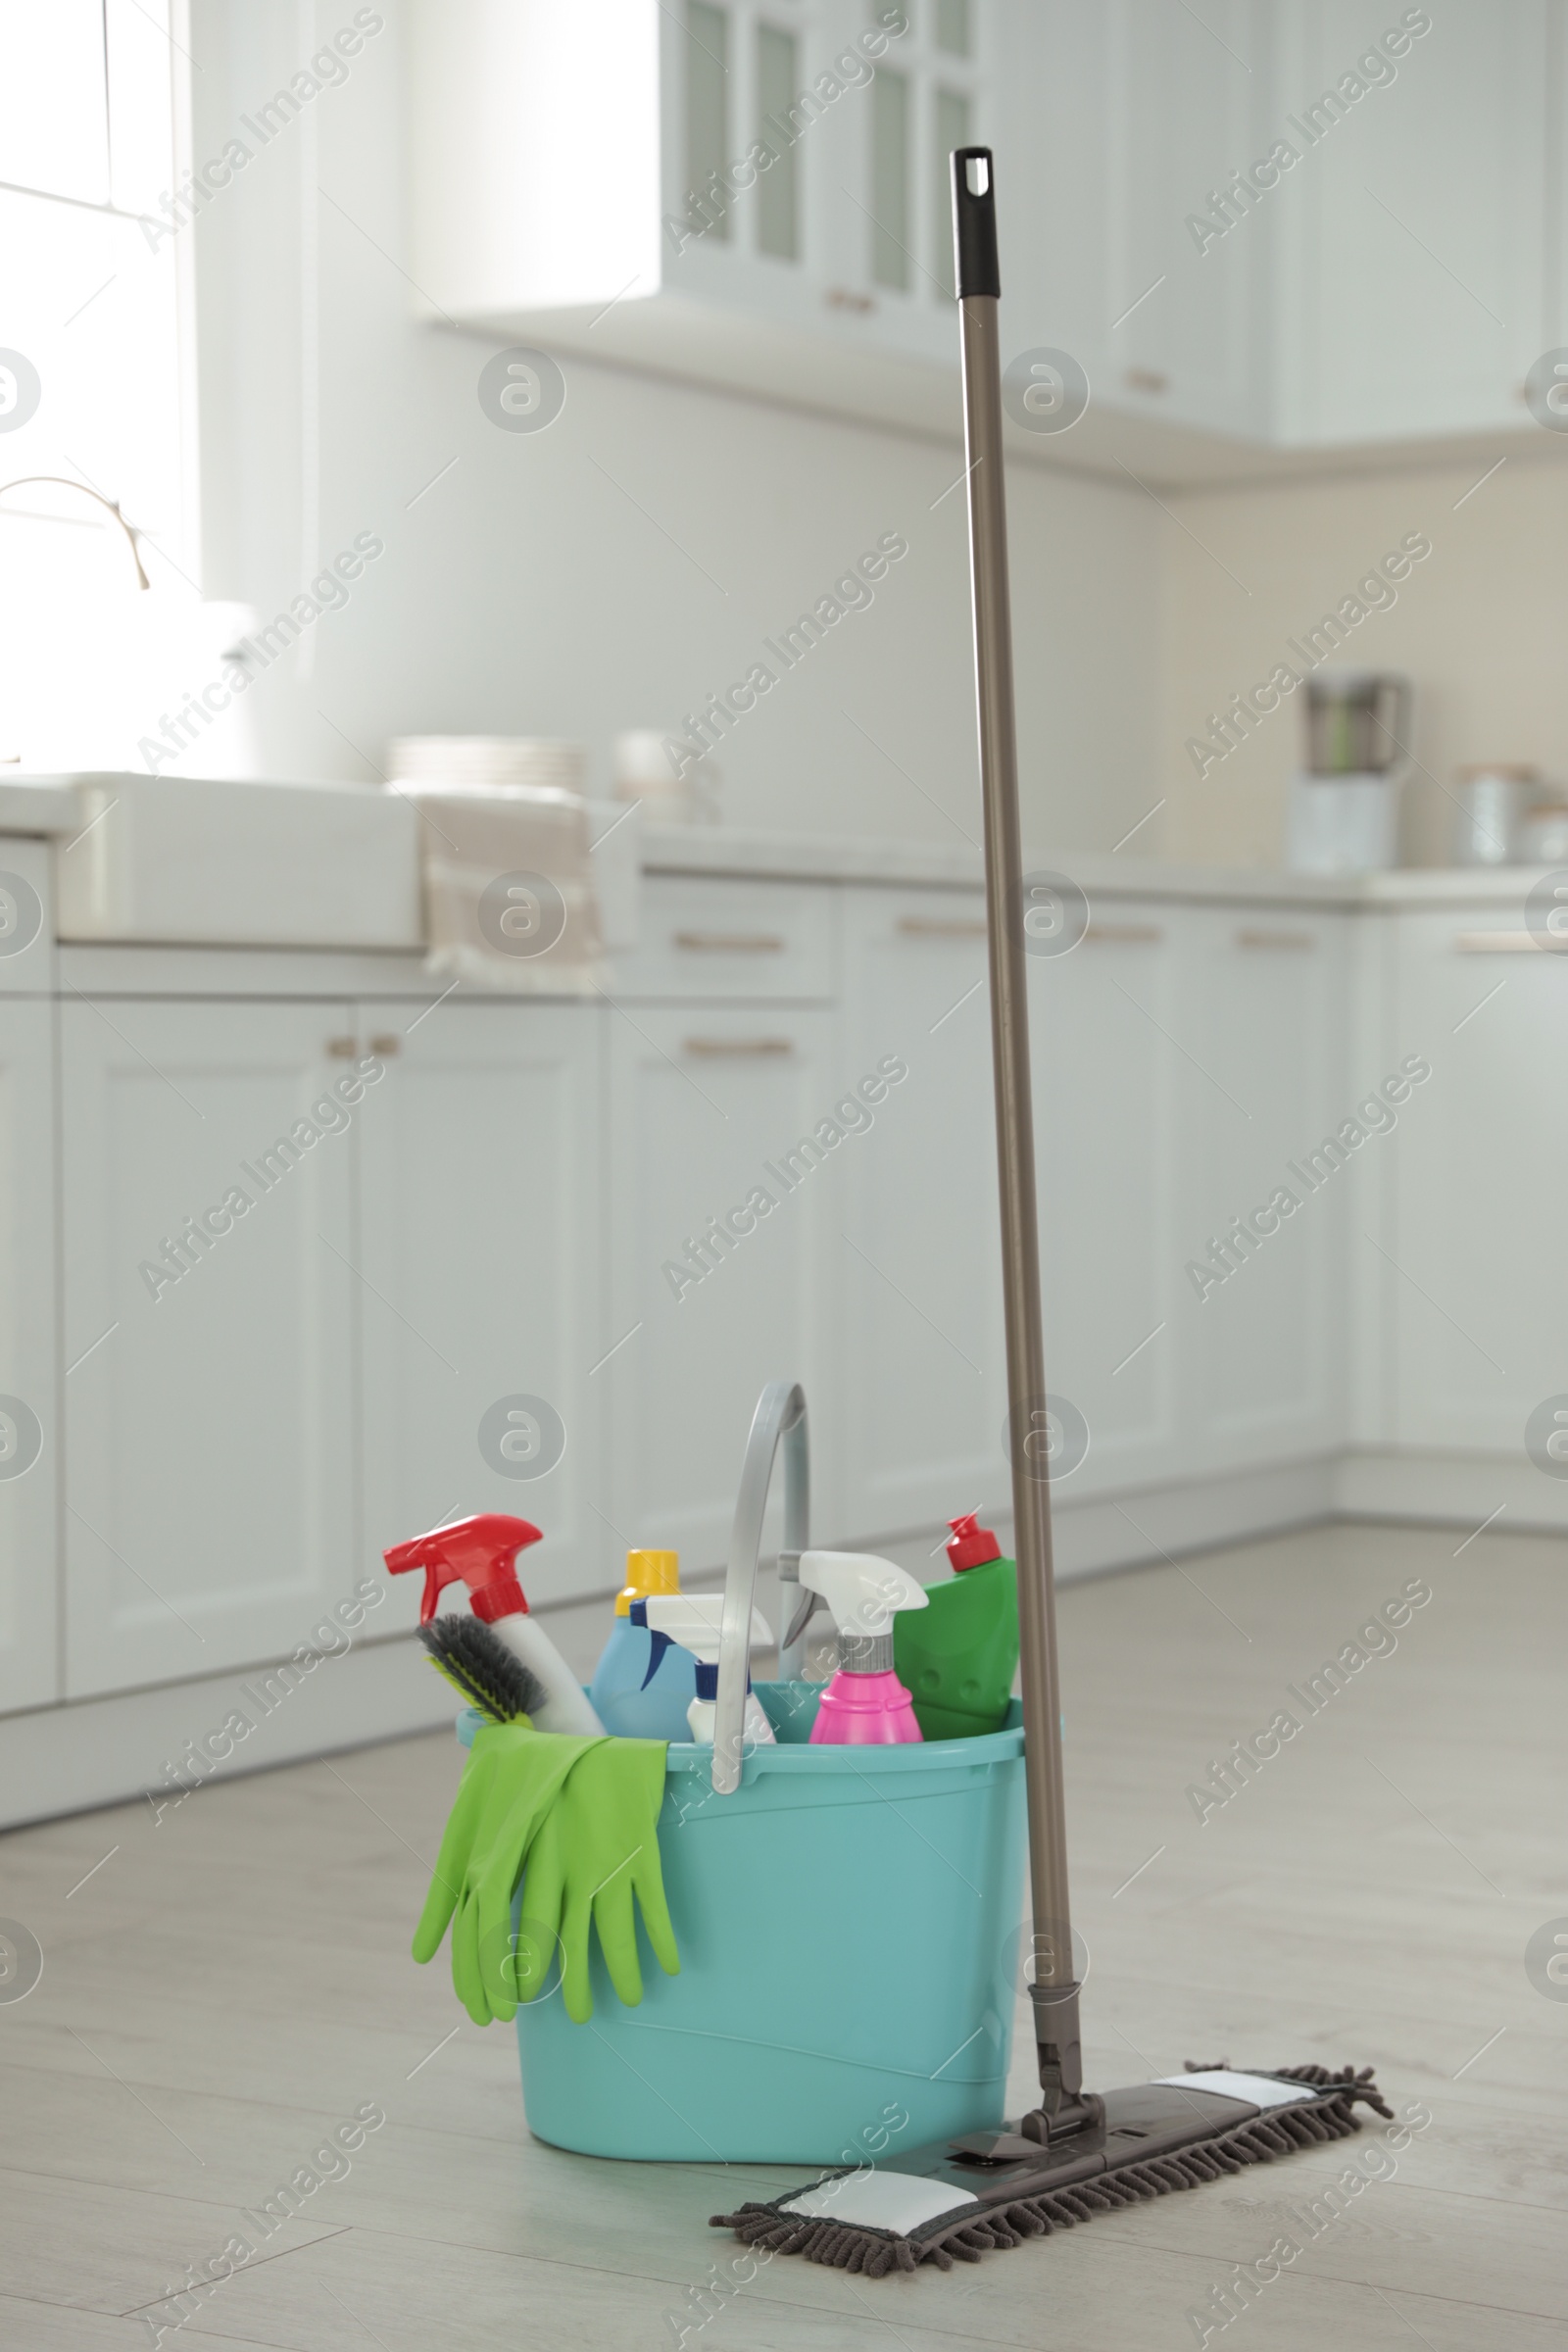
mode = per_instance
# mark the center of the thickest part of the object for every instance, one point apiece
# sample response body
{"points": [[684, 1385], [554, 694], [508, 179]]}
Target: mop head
{"points": [[887, 2219], [477, 1663]]}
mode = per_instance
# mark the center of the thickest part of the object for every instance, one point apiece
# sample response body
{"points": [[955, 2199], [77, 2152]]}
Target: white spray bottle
{"points": [[695, 1620], [864, 1706]]}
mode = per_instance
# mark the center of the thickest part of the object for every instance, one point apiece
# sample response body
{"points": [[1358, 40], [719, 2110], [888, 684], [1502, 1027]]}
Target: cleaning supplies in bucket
{"points": [[482, 1551], [959, 1658], [644, 1682], [696, 1621], [865, 1704], [848, 1928]]}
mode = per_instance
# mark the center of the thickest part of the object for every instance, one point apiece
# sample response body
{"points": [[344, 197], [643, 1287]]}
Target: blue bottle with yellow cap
{"points": [[644, 1682]]}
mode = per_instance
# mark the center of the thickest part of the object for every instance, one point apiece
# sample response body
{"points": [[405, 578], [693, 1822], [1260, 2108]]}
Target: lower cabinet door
{"points": [[919, 1267], [29, 1421], [1267, 1197], [210, 1297], [479, 1296], [1473, 1266], [726, 1214], [1105, 1098]]}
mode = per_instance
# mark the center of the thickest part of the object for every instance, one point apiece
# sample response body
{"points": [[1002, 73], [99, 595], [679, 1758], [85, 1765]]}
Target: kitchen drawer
{"points": [[736, 940]]}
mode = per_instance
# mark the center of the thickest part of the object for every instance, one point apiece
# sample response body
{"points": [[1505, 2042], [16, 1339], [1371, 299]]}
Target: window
{"points": [[94, 377], [93, 264]]}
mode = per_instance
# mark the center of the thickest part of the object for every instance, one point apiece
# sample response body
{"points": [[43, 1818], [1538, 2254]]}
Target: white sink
{"points": [[31, 807], [188, 863]]}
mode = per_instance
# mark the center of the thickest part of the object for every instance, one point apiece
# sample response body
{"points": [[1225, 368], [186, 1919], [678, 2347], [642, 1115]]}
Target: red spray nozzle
{"points": [[972, 1545], [481, 1550]]}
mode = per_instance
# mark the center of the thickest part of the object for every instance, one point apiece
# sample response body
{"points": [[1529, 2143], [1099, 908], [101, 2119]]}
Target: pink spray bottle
{"points": [[865, 1704]]}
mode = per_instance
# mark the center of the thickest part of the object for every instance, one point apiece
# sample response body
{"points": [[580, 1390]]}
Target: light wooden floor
{"points": [[232, 1983]]}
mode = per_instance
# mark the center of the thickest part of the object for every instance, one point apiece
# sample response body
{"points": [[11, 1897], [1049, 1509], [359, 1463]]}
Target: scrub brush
{"points": [[477, 1663]]}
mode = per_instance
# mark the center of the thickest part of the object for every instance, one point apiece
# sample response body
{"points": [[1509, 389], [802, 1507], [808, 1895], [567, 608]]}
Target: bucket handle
{"points": [[780, 1413]]}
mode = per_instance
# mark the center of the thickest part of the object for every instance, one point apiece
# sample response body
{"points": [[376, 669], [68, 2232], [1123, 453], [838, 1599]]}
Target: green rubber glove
{"points": [[509, 1781], [485, 1956], [594, 1851], [491, 1742]]}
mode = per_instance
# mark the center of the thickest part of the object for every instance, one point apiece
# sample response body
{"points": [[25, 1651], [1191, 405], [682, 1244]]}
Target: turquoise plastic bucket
{"points": [[848, 1923]]}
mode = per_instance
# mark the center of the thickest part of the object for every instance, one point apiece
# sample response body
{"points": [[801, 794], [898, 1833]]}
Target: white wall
{"points": [[1479, 627], [614, 569]]}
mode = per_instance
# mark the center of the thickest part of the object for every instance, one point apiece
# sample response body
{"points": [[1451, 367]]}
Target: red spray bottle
{"points": [[482, 1552]]}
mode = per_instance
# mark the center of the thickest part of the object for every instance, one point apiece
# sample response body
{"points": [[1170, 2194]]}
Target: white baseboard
{"points": [[1098, 1532], [105, 1751], [1456, 1490]]}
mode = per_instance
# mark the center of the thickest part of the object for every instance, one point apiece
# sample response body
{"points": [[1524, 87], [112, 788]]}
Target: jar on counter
{"points": [[1494, 798], [1543, 835]]}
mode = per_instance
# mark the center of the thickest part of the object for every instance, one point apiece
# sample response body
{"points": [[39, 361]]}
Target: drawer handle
{"points": [[1124, 934], [342, 1048], [1147, 379], [1275, 939], [931, 926], [386, 1044], [1499, 943], [750, 1049], [730, 942]]}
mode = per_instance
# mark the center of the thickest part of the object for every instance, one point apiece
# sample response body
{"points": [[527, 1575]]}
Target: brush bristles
{"points": [[477, 1663]]}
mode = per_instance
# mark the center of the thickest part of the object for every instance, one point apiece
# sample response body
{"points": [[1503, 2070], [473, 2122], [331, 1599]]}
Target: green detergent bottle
{"points": [[959, 1654]]}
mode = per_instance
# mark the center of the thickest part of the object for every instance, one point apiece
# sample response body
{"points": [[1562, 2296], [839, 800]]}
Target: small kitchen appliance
{"points": [[1343, 814]]}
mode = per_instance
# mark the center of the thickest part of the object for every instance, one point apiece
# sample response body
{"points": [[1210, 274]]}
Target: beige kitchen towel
{"points": [[510, 900]]}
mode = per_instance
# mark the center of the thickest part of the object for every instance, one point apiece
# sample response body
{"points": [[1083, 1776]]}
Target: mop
{"points": [[1079, 2152]]}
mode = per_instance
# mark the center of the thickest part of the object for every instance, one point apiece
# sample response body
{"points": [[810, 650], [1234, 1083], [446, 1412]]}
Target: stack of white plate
{"points": [[486, 763]]}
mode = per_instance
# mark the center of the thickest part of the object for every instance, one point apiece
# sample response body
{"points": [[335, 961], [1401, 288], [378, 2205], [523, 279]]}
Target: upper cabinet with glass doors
{"points": [[1261, 229], [749, 192], [803, 165]]}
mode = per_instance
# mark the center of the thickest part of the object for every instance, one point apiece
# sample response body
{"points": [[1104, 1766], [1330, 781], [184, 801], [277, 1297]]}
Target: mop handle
{"points": [[979, 285]]}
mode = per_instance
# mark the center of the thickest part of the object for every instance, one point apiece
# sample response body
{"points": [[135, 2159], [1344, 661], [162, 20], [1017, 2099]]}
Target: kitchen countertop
{"points": [[823, 857], [50, 806]]}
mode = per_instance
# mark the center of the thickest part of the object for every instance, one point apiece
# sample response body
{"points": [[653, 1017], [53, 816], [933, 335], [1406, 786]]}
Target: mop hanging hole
{"points": [[977, 175]]}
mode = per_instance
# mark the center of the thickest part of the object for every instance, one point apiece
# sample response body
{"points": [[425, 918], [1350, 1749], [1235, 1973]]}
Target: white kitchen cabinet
{"points": [[1416, 284], [1395, 282], [1262, 1017], [1474, 1282], [729, 940], [919, 1279], [480, 1306], [560, 158], [707, 1103], [1102, 1018], [30, 1417], [1181, 333], [210, 1429]]}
